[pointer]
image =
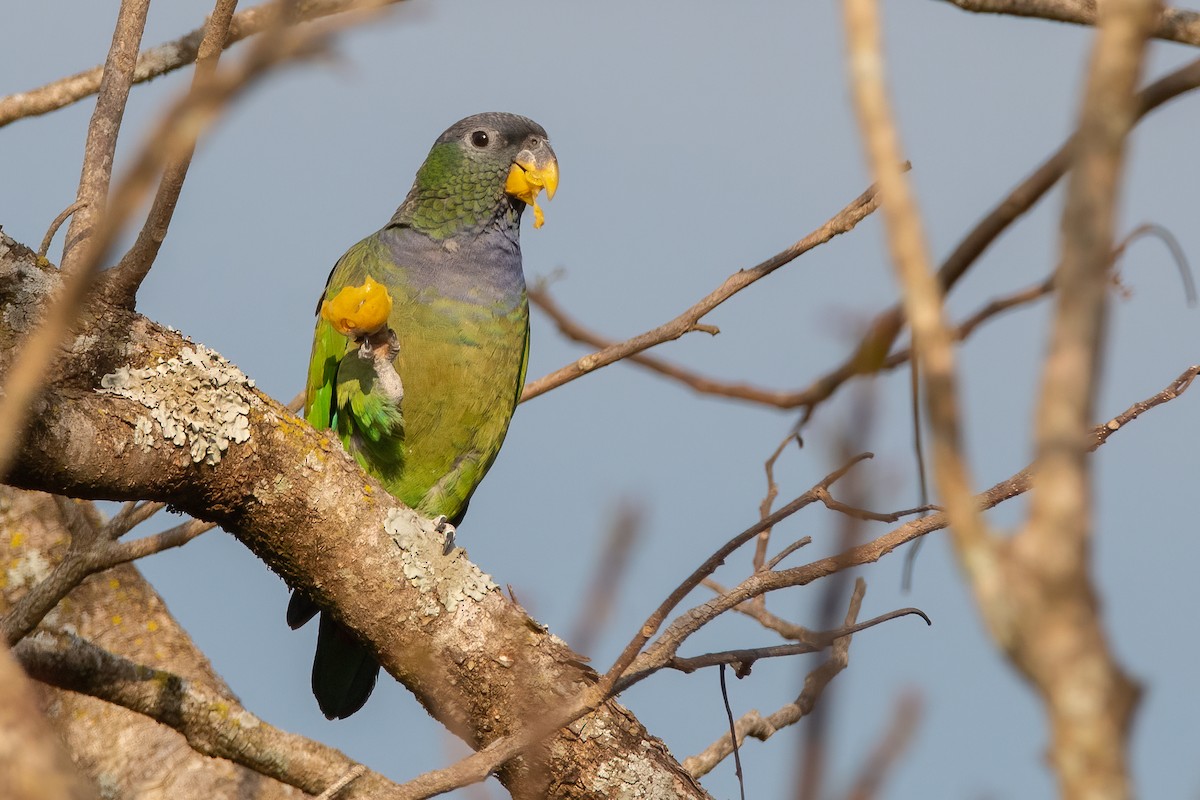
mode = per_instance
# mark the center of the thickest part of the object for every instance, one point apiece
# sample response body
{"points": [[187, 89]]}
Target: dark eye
{"points": [[479, 139]]}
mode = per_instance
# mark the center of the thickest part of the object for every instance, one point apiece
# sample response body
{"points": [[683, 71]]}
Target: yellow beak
{"points": [[531, 173]]}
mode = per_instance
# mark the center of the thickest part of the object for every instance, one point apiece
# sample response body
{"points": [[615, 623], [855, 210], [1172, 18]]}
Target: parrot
{"points": [[421, 346]]}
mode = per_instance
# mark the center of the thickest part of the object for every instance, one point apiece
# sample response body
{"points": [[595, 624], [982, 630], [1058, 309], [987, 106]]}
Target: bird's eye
{"points": [[479, 139]]}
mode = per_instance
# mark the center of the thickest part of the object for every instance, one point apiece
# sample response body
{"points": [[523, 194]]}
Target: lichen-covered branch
{"points": [[119, 612], [199, 435], [211, 720]]}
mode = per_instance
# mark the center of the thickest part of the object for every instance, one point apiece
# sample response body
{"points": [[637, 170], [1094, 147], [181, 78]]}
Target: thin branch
{"points": [[689, 320], [164, 58], [759, 613], [763, 728], [105, 126], [62, 217], [764, 508], [737, 757], [131, 515], [540, 297], [135, 264], [745, 658], [1173, 24], [1173, 247], [656, 619], [787, 551], [869, 552]]}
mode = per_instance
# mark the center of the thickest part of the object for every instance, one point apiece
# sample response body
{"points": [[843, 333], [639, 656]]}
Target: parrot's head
{"points": [[483, 169]]}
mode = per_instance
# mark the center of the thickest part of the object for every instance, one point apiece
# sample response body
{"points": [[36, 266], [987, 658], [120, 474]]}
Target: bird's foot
{"points": [[442, 525], [382, 345]]}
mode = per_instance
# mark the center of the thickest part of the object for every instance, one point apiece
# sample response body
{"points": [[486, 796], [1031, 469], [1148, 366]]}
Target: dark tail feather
{"points": [[300, 610], [344, 672]]}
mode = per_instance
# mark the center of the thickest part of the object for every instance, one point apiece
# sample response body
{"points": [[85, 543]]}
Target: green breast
{"points": [[462, 361]]}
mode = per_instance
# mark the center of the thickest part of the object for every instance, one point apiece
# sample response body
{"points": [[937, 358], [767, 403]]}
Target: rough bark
{"points": [[175, 422], [119, 611]]}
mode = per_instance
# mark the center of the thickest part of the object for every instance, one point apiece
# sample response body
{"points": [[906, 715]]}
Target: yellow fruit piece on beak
{"points": [[358, 310], [526, 181]]}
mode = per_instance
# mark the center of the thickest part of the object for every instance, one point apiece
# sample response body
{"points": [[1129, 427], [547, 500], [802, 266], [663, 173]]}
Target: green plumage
{"points": [[450, 259]]}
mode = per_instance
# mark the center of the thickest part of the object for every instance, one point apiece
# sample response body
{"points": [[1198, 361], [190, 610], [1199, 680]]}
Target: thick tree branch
{"points": [[1173, 24], [295, 498], [188, 706], [120, 613]]}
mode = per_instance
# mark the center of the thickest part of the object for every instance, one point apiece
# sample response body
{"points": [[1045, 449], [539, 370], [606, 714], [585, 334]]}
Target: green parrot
{"points": [[421, 345]]}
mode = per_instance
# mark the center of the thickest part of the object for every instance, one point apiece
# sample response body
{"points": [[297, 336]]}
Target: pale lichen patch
{"points": [[198, 400], [633, 777], [443, 580], [29, 569], [32, 286]]}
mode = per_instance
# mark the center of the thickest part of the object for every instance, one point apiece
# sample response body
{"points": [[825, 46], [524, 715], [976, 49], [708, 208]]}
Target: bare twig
{"points": [[135, 264], [869, 552], [787, 551], [1173, 24], [763, 728], [656, 619], [745, 657], [764, 508], [539, 296], [131, 515], [689, 320], [62, 217], [164, 58], [479, 765], [759, 613], [737, 757], [1173, 247]]}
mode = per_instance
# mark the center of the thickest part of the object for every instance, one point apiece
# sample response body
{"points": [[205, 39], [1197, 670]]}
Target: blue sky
{"points": [[694, 139]]}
